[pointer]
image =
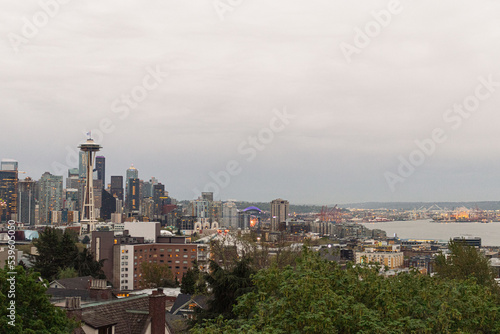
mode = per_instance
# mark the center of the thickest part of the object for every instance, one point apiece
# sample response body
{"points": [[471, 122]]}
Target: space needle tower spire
{"points": [[88, 216]]}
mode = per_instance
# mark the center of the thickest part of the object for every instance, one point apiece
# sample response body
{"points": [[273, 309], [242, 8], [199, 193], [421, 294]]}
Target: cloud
{"points": [[226, 77]]}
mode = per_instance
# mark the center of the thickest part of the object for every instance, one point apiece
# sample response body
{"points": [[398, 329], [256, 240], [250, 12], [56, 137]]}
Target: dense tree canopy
{"points": [[57, 251], [465, 262], [157, 275], [318, 296], [226, 285], [34, 314]]}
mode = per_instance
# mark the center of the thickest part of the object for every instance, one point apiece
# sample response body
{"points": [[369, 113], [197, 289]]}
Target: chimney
{"points": [[99, 290], [73, 308], [157, 311]]}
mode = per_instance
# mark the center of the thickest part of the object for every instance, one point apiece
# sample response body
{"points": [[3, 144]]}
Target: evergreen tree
{"points": [[465, 262], [226, 286], [85, 265], [48, 261], [193, 282]]}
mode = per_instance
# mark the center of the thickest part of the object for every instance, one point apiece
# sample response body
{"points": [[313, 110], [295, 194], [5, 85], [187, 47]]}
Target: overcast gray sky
{"points": [[231, 65]]}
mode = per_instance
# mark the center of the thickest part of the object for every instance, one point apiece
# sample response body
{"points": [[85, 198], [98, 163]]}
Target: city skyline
{"points": [[318, 103]]}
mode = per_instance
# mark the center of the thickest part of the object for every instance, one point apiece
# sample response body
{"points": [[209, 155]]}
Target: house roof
{"points": [[80, 283], [118, 312], [184, 299], [176, 323], [60, 294]]}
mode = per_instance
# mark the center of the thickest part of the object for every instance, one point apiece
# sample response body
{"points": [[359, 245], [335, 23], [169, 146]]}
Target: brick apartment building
{"points": [[124, 255]]}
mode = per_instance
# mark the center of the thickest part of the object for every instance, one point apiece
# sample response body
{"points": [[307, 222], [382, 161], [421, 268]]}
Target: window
{"points": [[105, 330], [177, 250], [184, 255]]}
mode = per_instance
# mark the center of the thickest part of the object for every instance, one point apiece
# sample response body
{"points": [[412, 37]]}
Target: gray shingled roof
{"points": [[115, 312], [80, 283], [184, 299]]}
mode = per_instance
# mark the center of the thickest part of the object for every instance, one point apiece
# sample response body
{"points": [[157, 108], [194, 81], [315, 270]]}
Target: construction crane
{"points": [[333, 215]]}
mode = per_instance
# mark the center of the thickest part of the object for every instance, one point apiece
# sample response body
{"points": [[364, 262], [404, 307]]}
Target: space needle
{"points": [[88, 218]]}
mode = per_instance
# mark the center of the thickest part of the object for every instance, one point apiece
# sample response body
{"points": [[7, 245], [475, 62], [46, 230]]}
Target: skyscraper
{"points": [[279, 213], [134, 196], [26, 201], [8, 195], [230, 215], [50, 193], [207, 196], [158, 194], [100, 167], [117, 187], [8, 164], [132, 173], [82, 163], [108, 205]]}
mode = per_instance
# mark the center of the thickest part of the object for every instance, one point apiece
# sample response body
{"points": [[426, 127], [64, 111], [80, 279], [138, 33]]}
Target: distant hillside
{"points": [[300, 208], [266, 206], [484, 205]]}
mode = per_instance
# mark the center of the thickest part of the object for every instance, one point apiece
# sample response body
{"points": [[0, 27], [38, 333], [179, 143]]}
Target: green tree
{"points": [[48, 261], [67, 273], [86, 240], [226, 286], [157, 275], [188, 283], [67, 249], [464, 262], [193, 282], [86, 265], [58, 251], [34, 314], [317, 296]]}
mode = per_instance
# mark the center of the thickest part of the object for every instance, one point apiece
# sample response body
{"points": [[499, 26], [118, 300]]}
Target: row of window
{"points": [[162, 250]]}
